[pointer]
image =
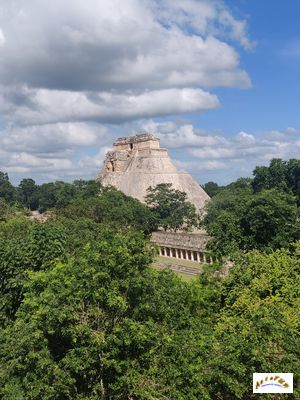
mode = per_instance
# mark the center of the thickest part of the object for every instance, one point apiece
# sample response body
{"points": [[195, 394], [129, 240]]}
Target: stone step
{"points": [[179, 268]]}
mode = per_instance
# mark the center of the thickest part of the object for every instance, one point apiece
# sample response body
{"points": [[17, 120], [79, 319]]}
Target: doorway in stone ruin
{"points": [[110, 166], [131, 146]]}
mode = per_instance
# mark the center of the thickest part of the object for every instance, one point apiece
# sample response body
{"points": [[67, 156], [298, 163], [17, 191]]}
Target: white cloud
{"points": [[117, 45], [209, 156], [49, 106], [2, 38], [94, 163], [173, 136], [238, 29], [51, 138], [53, 151], [204, 16], [67, 67], [196, 166], [245, 138], [25, 162]]}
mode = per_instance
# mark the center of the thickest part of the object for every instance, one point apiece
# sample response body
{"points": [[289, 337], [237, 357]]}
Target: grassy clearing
{"points": [[179, 261], [185, 277], [172, 261]]}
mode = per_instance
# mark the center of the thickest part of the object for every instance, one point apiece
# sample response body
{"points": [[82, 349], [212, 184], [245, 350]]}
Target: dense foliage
{"points": [[260, 213], [48, 195], [83, 316], [170, 208], [212, 188]]}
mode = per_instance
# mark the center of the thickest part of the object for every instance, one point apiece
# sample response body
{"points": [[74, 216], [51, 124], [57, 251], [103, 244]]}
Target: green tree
{"points": [[4, 210], [224, 214], [47, 199], [270, 177], [64, 194], [238, 219], [293, 177], [271, 220], [60, 194], [171, 208], [87, 189], [258, 327], [212, 188], [7, 191], [112, 207], [24, 246], [28, 192]]}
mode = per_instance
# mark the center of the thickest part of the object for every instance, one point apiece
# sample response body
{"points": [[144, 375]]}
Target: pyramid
{"points": [[137, 162]]}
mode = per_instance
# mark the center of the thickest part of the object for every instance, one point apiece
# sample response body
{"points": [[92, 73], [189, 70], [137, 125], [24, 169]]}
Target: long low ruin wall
{"points": [[187, 241], [184, 246]]}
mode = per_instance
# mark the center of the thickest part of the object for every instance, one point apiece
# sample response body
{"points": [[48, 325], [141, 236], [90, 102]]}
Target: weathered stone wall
{"points": [[181, 240], [137, 142]]}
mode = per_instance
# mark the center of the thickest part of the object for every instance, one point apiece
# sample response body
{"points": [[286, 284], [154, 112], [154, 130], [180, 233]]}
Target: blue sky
{"points": [[274, 68], [217, 81]]}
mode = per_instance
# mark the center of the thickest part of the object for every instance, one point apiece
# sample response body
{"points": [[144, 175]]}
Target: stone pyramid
{"points": [[137, 162]]}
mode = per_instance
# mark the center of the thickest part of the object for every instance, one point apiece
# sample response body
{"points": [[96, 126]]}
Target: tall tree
{"points": [[171, 208], [7, 191], [293, 177], [4, 210], [212, 188], [28, 192]]}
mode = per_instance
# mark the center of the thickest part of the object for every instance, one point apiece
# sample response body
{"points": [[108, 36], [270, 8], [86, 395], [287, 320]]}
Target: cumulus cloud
{"points": [[113, 61], [173, 136], [204, 17], [48, 106], [52, 138], [53, 150], [202, 166], [116, 45], [2, 38], [70, 67], [213, 156]]}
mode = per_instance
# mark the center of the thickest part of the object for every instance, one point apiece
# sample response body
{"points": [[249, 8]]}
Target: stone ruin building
{"points": [[137, 162], [184, 246]]}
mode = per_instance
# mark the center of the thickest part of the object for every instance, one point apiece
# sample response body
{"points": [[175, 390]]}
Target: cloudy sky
{"points": [[217, 81]]}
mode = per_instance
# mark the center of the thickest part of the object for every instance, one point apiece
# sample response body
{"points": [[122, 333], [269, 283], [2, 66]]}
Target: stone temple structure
{"points": [[137, 162]]}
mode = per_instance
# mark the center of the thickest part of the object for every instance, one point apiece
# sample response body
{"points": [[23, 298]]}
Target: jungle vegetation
{"points": [[83, 316]]}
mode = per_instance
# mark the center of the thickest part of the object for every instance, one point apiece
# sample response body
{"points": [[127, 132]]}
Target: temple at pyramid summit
{"points": [[137, 162]]}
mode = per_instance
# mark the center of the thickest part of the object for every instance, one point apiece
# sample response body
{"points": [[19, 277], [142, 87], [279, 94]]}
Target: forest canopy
{"points": [[85, 316]]}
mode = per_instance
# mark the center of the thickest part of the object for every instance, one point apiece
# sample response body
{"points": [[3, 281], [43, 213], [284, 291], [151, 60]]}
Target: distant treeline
{"points": [[282, 175], [46, 196]]}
